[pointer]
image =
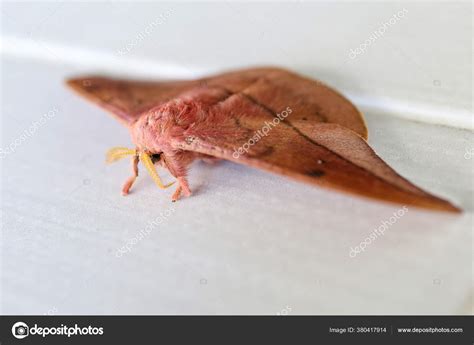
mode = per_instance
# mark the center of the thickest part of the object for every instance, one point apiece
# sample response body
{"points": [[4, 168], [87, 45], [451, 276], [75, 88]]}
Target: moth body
{"points": [[268, 118], [158, 132]]}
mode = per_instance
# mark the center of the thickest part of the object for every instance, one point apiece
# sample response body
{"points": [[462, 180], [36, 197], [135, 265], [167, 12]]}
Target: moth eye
{"points": [[156, 157]]}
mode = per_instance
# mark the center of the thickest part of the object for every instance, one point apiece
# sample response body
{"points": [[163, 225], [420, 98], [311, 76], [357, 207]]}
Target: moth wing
{"points": [[319, 153], [127, 99], [273, 88], [277, 88]]}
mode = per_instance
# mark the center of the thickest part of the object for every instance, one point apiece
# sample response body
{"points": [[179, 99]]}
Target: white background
{"points": [[247, 242]]}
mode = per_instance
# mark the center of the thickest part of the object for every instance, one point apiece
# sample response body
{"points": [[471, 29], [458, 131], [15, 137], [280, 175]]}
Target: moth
{"points": [[268, 118]]}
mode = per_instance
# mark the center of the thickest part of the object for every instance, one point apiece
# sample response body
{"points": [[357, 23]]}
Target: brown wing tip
{"points": [[454, 209], [72, 82], [422, 200], [80, 83], [83, 86], [77, 84], [427, 202], [444, 205]]}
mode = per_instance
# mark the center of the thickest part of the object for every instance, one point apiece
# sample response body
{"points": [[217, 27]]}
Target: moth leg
{"points": [[128, 184], [177, 164], [183, 187], [176, 194]]}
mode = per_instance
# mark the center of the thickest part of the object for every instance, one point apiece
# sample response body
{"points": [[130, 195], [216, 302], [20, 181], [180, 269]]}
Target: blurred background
{"points": [[408, 56], [247, 242]]}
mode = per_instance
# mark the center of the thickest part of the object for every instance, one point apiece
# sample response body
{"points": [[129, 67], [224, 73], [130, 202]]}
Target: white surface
{"points": [[423, 60], [259, 242], [247, 242]]}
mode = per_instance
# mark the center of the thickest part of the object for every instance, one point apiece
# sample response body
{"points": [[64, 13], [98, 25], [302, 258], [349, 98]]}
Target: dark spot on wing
{"points": [[315, 173]]}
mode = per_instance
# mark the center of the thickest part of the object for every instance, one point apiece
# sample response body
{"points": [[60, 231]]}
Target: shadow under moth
{"points": [[268, 118]]}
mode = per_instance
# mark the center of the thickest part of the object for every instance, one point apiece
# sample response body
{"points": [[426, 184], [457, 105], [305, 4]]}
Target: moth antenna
{"points": [[150, 167], [116, 153]]}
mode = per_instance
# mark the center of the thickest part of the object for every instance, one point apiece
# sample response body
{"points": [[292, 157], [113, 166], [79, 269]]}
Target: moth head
{"points": [[148, 131], [146, 157], [147, 144], [159, 128]]}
